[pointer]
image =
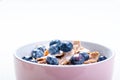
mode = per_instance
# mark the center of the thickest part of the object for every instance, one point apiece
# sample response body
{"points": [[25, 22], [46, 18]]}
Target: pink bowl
{"points": [[96, 71]]}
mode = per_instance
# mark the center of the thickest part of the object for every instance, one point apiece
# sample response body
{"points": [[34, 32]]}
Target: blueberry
{"points": [[77, 59], [52, 60], [54, 49], [66, 46], [27, 58], [85, 55], [101, 58], [58, 42], [42, 48], [37, 53]]}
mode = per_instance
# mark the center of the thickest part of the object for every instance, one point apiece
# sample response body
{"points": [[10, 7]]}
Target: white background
{"points": [[27, 21]]}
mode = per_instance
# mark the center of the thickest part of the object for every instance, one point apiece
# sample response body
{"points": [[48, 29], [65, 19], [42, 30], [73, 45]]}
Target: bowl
{"points": [[102, 70]]}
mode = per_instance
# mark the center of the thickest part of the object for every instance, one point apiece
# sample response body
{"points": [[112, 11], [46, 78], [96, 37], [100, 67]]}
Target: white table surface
{"points": [[27, 21]]}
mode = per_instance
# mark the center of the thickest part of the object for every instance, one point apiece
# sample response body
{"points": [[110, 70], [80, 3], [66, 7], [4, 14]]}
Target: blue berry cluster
{"points": [[56, 46], [35, 53]]}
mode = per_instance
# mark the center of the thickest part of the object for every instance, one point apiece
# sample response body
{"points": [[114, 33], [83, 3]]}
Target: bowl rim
{"points": [[82, 65]]}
